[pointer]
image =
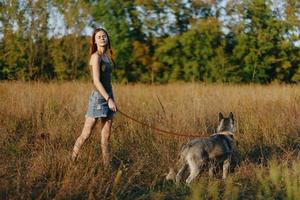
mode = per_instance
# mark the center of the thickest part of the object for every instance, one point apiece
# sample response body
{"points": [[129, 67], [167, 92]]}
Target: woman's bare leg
{"points": [[105, 135], [86, 132]]}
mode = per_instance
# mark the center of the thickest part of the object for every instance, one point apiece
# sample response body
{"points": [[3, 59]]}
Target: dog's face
{"points": [[226, 123]]}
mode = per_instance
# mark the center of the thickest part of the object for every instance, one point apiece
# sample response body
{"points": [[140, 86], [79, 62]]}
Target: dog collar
{"points": [[226, 133]]}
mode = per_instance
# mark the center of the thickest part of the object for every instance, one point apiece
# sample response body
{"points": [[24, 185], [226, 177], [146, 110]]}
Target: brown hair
{"points": [[94, 46]]}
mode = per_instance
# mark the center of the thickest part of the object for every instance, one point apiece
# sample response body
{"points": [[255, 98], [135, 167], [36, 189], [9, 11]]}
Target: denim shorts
{"points": [[98, 107]]}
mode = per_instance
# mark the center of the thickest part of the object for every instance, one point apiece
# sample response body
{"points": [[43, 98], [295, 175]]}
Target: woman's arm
{"points": [[96, 74]]}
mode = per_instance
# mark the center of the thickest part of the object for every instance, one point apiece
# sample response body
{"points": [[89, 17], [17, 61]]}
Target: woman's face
{"points": [[101, 39]]}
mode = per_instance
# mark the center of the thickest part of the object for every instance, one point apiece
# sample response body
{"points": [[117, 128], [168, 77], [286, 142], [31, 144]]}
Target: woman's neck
{"points": [[100, 50]]}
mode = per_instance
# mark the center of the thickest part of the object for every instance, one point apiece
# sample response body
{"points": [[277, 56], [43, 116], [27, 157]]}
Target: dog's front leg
{"points": [[226, 165]]}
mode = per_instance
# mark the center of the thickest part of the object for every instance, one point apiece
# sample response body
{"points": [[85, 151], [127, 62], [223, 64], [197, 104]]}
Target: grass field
{"points": [[39, 123]]}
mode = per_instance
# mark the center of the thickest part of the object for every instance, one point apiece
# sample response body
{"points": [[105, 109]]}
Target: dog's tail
{"points": [[183, 151], [180, 162], [171, 175]]}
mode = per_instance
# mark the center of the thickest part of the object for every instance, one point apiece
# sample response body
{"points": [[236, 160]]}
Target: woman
{"points": [[101, 103]]}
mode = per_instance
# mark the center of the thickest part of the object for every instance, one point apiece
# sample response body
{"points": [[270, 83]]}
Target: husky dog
{"points": [[207, 151]]}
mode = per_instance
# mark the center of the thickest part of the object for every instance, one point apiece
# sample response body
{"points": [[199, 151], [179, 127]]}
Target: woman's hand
{"points": [[112, 105]]}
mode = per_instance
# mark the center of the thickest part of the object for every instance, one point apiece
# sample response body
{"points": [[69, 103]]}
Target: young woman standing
{"points": [[101, 102]]}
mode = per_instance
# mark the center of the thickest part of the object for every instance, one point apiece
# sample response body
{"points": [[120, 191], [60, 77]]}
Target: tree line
{"points": [[160, 41]]}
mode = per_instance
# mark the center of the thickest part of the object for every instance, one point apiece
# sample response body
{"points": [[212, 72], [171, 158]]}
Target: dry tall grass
{"points": [[37, 165]]}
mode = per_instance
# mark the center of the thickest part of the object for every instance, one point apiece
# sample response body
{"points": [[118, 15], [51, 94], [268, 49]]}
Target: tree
{"points": [[261, 44], [13, 54], [70, 53]]}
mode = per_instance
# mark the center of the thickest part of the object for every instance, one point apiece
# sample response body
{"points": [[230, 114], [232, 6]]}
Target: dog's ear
{"points": [[221, 116], [231, 116]]}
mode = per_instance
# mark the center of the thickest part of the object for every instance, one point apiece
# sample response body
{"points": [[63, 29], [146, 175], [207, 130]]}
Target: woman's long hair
{"points": [[94, 45]]}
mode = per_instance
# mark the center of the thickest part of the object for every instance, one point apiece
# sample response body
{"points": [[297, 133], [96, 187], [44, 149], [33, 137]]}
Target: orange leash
{"points": [[159, 131]]}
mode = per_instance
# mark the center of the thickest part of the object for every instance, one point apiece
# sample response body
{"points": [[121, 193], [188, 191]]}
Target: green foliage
{"points": [[155, 41], [70, 63]]}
